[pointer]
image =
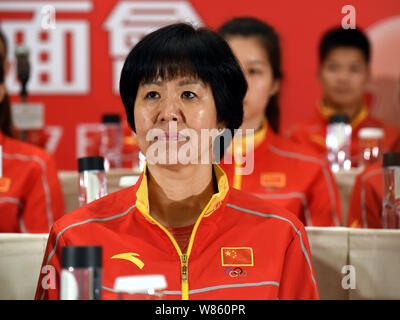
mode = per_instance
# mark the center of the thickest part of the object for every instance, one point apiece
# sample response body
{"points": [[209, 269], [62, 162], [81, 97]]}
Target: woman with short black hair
{"points": [[181, 219]]}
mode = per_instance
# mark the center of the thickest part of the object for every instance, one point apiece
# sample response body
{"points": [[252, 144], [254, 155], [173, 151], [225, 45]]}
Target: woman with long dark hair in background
{"points": [[288, 174], [30, 192]]}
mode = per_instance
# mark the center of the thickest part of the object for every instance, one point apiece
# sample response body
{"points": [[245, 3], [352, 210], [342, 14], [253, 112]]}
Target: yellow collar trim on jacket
{"points": [[360, 117], [259, 136], [142, 194], [327, 112]]}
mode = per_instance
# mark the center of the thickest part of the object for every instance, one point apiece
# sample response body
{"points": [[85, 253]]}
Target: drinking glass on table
{"points": [[147, 287], [370, 142], [391, 191]]}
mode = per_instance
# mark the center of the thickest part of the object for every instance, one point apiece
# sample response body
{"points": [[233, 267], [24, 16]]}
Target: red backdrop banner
{"points": [[77, 49]]}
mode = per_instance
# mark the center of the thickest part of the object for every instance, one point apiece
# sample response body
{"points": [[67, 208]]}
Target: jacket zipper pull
{"points": [[184, 267]]}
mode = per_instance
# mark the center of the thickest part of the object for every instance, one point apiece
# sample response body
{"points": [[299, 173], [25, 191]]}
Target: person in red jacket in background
{"points": [[286, 173], [365, 209], [30, 193], [344, 71], [182, 219]]}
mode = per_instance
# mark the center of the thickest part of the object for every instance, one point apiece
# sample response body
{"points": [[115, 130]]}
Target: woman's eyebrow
{"points": [[255, 61], [153, 82], [191, 81]]}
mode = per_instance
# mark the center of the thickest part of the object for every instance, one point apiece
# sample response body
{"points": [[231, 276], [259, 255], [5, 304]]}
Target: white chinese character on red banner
{"points": [[58, 53], [130, 21]]}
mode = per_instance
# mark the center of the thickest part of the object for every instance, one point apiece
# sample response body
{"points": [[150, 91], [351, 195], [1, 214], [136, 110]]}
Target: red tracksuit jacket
{"points": [[30, 192], [365, 210], [291, 176], [313, 132], [266, 246]]}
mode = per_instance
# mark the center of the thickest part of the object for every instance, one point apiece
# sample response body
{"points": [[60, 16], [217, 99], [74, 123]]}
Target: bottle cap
{"points": [[90, 163], [81, 257], [339, 118], [391, 159], [111, 118], [371, 133]]}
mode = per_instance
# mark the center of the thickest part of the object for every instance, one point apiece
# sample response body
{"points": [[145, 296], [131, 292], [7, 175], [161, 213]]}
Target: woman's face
{"points": [[172, 113], [258, 72]]}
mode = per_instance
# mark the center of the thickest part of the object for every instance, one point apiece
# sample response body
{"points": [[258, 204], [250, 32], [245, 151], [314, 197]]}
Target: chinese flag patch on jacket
{"points": [[237, 256]]}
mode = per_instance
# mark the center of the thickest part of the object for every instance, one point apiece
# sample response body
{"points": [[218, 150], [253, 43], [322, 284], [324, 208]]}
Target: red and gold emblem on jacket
{"points": [[5, 184], [273, 180], [237, 256]]}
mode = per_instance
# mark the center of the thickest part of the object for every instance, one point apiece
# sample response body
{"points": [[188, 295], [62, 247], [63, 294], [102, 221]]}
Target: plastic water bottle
{"points": [[81, 273], [338, 142], [92, 179]]}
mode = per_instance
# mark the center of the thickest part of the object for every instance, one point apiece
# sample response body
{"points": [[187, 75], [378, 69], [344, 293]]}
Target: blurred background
{"points": [[76, 50]]}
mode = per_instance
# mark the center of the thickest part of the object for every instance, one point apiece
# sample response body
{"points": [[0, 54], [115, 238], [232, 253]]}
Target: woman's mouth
{"points": [[171, 136]]}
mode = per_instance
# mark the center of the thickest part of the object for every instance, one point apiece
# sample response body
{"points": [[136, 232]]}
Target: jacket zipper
{"points": [[183, 260], [184, 257], [184, 273], [184, 268]]}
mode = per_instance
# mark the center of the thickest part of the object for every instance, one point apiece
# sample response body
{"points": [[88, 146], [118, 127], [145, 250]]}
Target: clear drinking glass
{"points": [[147, 287], [391, 191], [370, 143], [111, 142]]}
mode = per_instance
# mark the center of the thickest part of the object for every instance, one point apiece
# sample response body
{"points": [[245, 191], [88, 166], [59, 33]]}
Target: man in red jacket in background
{"points": [[344, 74]]}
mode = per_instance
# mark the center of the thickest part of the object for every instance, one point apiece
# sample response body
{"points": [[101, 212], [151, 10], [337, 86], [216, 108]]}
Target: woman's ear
{"points": [[276, 86], [2, 91], [221, 127], [7, 66]]}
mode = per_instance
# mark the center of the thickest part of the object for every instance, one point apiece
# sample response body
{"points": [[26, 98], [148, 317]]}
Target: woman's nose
{"points": [[170, 111]]}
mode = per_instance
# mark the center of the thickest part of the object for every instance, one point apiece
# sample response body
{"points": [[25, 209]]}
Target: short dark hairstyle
{"points": [[181, 50], [339, 37], [269, 39]]}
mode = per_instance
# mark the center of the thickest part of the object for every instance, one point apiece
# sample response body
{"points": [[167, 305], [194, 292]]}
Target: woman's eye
{"points": [[188, 95], [254, 71], [152, 95]]}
